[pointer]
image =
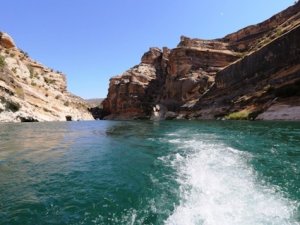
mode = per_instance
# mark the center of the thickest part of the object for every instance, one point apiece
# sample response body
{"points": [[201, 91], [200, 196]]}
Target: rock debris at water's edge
{"points": [[253, 73]]}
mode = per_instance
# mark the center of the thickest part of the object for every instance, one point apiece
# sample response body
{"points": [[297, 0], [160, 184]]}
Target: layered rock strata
{"points": [[268, 77], [131, 94], [29, 91], [239, 76]]}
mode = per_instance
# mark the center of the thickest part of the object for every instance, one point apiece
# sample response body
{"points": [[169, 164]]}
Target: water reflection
{"points": [[32, 142], [38, 157]]}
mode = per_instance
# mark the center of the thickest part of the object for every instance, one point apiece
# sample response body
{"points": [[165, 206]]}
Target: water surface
{"points": [[177, 172]]}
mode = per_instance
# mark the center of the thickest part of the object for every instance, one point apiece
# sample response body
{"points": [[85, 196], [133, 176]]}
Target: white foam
{"points": [[219, 187]]}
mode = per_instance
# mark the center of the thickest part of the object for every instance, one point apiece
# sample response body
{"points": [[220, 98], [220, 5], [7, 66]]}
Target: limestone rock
{"points": [[6, 41], [261, 79], [281, 112], [30, 92], [127, 96], [170, 115], [151, 56], [207, 79], [159, 112]]}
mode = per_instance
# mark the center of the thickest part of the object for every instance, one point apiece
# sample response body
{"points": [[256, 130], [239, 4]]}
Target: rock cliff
{"points": [[240, 76], [30, 91]]}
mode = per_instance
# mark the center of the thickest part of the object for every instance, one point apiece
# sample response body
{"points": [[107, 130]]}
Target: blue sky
{"points": [[93, 40]]}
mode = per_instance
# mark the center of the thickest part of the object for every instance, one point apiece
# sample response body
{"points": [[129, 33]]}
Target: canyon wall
{"points": [[29, 91], [267, 77], [246, 72]]}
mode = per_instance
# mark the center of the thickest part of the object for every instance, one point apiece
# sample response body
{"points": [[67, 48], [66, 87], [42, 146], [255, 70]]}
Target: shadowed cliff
{"points": [[245, 75]]}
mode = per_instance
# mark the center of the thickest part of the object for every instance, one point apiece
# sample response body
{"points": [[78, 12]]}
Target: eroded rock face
{"points": [[210, 79], [268, 76], [132, 94], [192, 68], [171, 78], [283, 52], [128, 93], [167, 77], [254, 37], [152, 57], [32, 92], [6, 41]]}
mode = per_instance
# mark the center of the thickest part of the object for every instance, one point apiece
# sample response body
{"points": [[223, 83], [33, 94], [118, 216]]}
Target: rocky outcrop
{"points": [[131, 94], [6, 41], [167, 77], [31, 92], [253, 37], [191, 70], [268, 76], [281, 112], [248, 71], [128, 93]]}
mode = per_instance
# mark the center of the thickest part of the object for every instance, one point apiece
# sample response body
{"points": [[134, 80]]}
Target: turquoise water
{"points": [[184, 173]]}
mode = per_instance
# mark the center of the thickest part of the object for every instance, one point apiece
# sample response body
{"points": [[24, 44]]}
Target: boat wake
{"points": [[218, 186]]}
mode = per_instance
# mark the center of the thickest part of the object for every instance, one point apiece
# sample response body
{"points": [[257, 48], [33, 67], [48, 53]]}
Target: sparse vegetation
{"points": [[266, 41], [25, 54], [14, 70], [49, 81], [279, 32], [241, 115], [66, 104], [2, 62], [31, 71], [19, 92], [33, 83]]}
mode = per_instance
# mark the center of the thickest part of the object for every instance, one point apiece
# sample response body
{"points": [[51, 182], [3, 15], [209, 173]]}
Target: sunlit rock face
{"points": [[168, 77], [132, 94], [249, 70], [6, 41], [30, 91]]}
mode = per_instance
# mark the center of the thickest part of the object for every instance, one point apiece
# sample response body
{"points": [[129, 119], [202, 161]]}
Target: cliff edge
{"points": [[250, 74], [29, 91]]}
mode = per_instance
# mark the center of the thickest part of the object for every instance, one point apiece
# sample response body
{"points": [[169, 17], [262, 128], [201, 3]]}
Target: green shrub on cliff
{"points": [[19, 92], [2, 62], [241, 115], [31, 71], [49, 81]]}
